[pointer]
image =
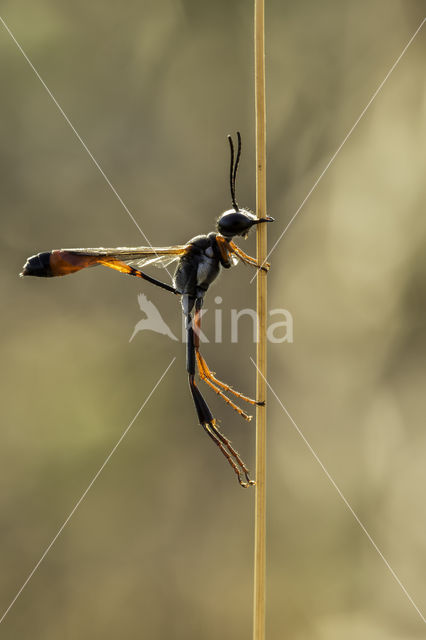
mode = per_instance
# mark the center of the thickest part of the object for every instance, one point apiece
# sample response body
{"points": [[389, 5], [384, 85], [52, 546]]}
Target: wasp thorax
{"points": [[236, 223]]}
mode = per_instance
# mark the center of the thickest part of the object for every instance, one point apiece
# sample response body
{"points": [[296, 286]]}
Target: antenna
{"points": [[233, 168], [237, 160]]}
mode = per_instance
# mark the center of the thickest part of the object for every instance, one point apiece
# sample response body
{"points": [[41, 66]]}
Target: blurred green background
{"points": [[161, 547]]}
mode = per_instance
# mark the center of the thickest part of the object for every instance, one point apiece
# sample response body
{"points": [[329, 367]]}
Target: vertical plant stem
{"points": [[260, 511]]}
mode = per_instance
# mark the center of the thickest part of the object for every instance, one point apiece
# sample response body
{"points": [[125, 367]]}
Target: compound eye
{"points": [[235, 223]]}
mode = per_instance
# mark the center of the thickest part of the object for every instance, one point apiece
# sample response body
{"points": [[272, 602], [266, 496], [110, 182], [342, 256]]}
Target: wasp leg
{"points": [[205, 416], [122, 267], [208, 377], [225, 446], [204, 376], [244, 257]]}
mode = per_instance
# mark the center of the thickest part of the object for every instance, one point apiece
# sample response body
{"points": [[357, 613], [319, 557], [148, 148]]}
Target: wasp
{"points": [[199, 263]]}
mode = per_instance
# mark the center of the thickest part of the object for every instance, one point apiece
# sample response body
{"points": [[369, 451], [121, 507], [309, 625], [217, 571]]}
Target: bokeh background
{"points": [[161, 547]]}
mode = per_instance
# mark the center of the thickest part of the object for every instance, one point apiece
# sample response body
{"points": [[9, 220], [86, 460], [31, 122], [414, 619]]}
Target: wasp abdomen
{"points": [[59, 262]]}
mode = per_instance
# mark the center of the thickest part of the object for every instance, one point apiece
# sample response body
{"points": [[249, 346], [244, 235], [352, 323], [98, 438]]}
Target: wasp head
{"points": [[236, 221]]}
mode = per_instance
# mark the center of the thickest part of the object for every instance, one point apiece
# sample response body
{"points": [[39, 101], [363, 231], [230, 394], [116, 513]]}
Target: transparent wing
{"points": [[157, 261], [135, 256]]}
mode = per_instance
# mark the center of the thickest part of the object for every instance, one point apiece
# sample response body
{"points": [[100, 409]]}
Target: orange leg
{"points": [[244, 257], [208, 377], [205, 416], [122, 267], [207, 380]]}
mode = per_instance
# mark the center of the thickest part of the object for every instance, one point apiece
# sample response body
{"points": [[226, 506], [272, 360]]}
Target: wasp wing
{"points": [[158, 261], [64, 261], [136, 256], [133, 254]]}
